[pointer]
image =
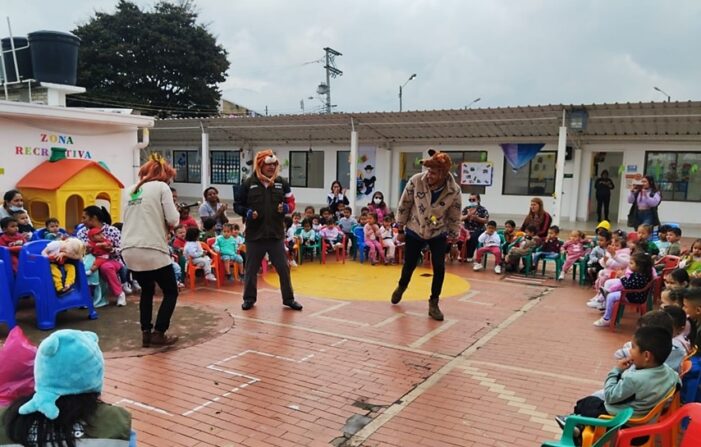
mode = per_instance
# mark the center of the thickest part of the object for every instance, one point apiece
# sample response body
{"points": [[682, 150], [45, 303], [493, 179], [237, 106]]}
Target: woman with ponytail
{"points": [[149, 215]]}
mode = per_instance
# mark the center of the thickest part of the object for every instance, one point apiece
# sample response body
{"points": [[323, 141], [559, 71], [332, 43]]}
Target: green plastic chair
{"points": [[559, 261], [312, 250], [608, 439]]}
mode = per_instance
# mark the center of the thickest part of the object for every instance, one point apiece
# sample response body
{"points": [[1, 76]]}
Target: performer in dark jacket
{"points": [[263, 200]]}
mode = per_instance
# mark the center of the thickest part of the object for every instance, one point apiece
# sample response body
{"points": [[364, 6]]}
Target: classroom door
{"points": [[611, 162]]}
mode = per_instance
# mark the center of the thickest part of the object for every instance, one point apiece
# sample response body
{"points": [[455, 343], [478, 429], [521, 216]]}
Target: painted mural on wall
{"points": [[365, 172]]}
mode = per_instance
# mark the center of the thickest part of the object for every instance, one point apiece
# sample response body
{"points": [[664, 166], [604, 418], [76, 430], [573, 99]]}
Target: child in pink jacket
{"points": [[574, 249], [373, 239]]}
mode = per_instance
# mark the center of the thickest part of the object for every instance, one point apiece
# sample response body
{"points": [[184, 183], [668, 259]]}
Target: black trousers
{"points": [[473, 242], [602, 208], [255, 251], [412, 251], [165, 278]]}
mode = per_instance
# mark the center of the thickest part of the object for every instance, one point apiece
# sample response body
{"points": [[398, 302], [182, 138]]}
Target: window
{"points": [[343, 168], [458, 158], [676, 174], [225, 167], [537, 178], [307, 169], [187, 164]]}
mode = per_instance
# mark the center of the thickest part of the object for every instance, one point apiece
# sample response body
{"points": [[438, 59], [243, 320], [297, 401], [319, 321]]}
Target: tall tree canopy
{"points": [[160, 61]]}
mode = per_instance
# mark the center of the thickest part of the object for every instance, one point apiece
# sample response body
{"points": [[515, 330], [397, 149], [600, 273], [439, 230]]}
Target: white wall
{"points": [[113, 145]]}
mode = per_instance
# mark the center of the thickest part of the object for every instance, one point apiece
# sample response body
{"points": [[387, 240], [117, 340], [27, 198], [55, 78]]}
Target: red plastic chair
{"points": [[664, 429], [641, 308], [340, 251], [192, 268], [235, 271]]}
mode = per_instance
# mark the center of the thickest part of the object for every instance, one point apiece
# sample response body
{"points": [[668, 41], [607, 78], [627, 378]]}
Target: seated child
{"points": [[491, 243], [641, 387], [309, 213], [208, 229], [674, 280], [673, 236], [662, 243], [316, 223], [551, 246], [194, 253], [12, 239], [332, 235], [307, 236], [99, 246], [53, 230], [227, 246], [346, 223], [669, 321], [604, 225], [603, 240], [185, 219], [24, 224], [644, 235], [178, 241], [62, 272], [640, 267], [387, 237], [371, 231], [240, 240], [523, 248], [692, 262], [574, 249], [510, 235], [291, 239], [614, 261]]}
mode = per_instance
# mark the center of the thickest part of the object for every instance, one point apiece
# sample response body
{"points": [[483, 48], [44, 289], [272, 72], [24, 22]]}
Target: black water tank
{"points": [[24, 59], [54, 56]]}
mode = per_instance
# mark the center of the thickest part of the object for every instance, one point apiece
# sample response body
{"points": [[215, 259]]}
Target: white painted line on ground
{"points": [[330, 309], [566, 377], [142, 406], [471, 294], [389, 320], [447, 324]]}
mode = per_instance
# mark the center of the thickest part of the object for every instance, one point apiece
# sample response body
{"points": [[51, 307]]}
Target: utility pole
{"points": [[331, 72]]}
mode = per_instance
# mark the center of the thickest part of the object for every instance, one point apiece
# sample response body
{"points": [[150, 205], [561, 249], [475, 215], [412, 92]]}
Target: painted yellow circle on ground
{"points": [[363, 282]]}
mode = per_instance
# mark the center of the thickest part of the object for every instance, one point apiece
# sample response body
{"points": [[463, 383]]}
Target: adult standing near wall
{"points": [[336, 197], [428, 213], [264, 199], [148, 216], [475, 217], [539, 217], [645, 198], [603, 186], [214, 208]]}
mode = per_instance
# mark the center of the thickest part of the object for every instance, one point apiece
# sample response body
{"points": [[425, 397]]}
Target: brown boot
{"points": [[161, 339], [433, 310], [145, 339], [397, 294]]}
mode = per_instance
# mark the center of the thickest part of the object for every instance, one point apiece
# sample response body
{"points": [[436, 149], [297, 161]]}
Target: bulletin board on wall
{"points": [[476, 173]]}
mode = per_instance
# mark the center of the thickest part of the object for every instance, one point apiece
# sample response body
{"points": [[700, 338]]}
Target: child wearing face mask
{"points": [[378, 206]]}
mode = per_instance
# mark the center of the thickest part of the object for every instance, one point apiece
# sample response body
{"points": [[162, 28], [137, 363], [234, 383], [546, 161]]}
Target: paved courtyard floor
{"points": [[510, 355]]}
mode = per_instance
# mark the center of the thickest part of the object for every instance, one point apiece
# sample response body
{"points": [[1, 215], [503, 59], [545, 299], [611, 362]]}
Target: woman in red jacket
{"points": [[539, 217]]}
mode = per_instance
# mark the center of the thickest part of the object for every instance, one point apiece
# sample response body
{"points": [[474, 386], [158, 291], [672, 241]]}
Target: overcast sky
{"points": [[518, 52]]}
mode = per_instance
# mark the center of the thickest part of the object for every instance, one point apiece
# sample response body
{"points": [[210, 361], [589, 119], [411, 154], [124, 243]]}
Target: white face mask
{"points": [[377, 200]]}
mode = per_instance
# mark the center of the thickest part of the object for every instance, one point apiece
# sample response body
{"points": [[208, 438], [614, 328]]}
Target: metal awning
{"points": [[669, 121]]}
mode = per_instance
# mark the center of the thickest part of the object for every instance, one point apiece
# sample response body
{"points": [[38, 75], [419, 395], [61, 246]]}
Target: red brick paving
{"points": [[282, 378]]}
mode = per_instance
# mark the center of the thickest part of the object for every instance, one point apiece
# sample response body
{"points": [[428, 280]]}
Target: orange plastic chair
{"points": [[641, 308], [340, 251], [664, 428], [659, 411], [236, 271], [192, 268]]}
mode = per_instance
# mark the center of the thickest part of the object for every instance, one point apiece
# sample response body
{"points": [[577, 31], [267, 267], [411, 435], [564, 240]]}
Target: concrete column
{"points": [[353, 167], [204, 161], [560, 174]]}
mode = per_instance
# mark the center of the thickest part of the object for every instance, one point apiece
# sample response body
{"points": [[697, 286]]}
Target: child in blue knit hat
{"points": [[66, 405]]}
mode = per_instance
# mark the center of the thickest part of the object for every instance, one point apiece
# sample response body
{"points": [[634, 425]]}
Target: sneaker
{"points": [[126, 288], [497, 269], [293, 263], [122, 300], [210, 277], [561, 419], [594, 304], [602, 307], [601, 322], [468, 260], [181, 285], [135, 286], [477, 266], [562, 276]]}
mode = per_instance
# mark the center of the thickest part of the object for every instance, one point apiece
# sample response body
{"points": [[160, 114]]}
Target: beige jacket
{"points": [[147, 217], [418, 214]]}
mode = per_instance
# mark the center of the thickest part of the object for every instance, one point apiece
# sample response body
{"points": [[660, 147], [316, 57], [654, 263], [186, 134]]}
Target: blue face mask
{"points": [[16, 208]]}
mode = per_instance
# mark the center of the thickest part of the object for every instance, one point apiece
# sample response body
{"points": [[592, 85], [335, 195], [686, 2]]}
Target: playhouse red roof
{"points": [[52, 175]]}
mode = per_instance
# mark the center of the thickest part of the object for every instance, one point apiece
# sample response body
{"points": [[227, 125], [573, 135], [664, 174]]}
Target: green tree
{"points": [[160, 61]]}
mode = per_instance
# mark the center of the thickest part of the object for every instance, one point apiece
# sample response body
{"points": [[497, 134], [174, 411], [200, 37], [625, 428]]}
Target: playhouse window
{"points": [[39, 211]]}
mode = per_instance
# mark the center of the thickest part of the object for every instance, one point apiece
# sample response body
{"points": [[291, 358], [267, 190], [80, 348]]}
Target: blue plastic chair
{"points": [[34, 279], [6, 269], [360, 243], [38, 235], [7, 305]]}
